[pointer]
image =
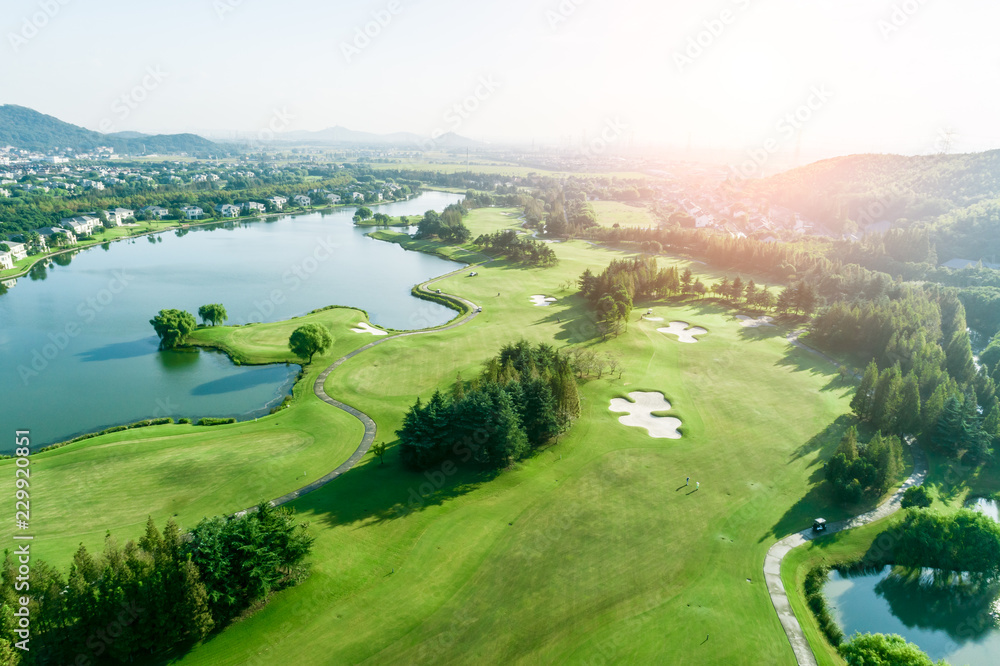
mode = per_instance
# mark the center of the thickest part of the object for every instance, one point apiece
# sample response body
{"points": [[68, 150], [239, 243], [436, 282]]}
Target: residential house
{"points": [[48, 234], [333, 198], [82, 225], [4, 193], [254, 207], [92, 184], [302, 200], [118, 216], [278, 202], [227, 210], [18, 250], [357, 196], [6, 261], [155, 211], [192, 212]]}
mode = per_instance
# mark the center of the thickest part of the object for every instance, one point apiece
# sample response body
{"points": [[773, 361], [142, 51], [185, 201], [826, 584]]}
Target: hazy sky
{"points": [[880, 75]]}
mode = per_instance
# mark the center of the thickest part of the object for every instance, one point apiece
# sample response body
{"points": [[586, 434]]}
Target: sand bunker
{"points": [[541, 301], [651, 318], [365, 327], [683, 332], [640, 414], [749, 322]]}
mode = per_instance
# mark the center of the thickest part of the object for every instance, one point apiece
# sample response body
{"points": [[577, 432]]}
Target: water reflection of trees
{"points": [[961, 605], [63, 259], [39, 271]]}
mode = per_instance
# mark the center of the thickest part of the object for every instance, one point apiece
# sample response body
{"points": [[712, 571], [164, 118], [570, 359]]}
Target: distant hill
{"points": [[955, 197], [342, 135], [885, 187], [28, 129]]}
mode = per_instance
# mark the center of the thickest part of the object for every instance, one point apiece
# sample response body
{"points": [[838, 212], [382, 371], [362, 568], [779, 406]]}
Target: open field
{"points": [[591, 549], [610, 213]]}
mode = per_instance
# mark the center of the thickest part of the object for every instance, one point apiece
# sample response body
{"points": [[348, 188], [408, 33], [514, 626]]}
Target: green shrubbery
{"points": [[208, 421], [813, 585], [917, 496]]}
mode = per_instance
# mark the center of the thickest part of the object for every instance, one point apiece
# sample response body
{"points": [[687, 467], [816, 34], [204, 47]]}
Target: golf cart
{"points": [[819, 525]]}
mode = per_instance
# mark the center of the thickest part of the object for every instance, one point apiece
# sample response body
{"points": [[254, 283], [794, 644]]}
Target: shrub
{"points": [[916, 496], [813, 587], [214, 422]]}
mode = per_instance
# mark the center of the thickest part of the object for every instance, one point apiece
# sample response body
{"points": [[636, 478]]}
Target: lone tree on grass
{"points": [[172, 326], [379, 450], [308, 340], [214, 313]]}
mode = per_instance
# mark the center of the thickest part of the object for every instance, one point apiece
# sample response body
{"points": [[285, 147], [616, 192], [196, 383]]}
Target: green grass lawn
{"points": [[590, 550], [610, 213], [115, 481]]}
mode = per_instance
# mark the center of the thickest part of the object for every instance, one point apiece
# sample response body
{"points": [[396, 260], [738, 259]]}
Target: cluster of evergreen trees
{"points": [[517, 247], [154, 597], [861, 470], [525, 396], [447, 226], [922, 379]]}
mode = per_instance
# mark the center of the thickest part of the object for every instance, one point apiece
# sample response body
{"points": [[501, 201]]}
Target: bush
{"points": [[916, 496], [813, 587], [184, 420], [865, 649], [214, 422]]}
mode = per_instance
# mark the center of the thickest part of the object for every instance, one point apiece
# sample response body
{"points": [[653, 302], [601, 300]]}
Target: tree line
{"points": [[154, 597], [524, 397]]}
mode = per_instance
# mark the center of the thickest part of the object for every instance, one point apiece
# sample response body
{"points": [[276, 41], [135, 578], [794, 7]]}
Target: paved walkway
{"points": [[370, 429], [772, 562]]}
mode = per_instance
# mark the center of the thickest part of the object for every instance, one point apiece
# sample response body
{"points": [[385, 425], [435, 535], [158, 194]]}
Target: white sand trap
{"points": [[649, 318], [750, 322], [683, 332], [640, 414], [541, 301], [365, 327]]}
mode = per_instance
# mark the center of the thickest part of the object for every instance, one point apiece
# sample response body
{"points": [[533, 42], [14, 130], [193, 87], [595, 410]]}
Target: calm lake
{"points": [[948, 620], [77, 352]]}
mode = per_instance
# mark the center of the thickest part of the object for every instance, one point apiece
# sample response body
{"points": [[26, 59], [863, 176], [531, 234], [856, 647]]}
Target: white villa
{"points": [[118, 216], [279, 202], [228, 210], [302, 200], [254, 207], [83, 225], [192, 212], [156, 211]]}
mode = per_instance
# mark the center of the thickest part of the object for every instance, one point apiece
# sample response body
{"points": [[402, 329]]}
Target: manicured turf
{"points": [[610, 213], [590, 550], [114, 482]]}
